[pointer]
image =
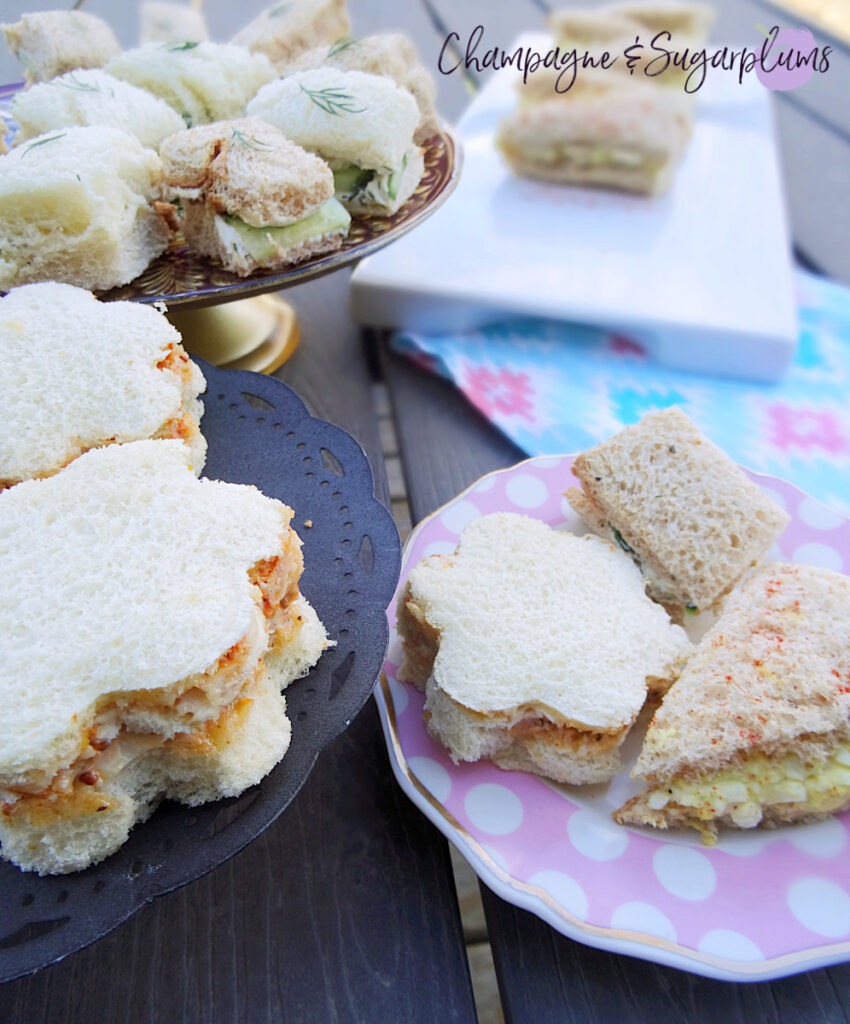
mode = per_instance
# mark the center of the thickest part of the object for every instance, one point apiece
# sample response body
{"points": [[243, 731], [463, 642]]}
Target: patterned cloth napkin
{"points": [[555, 388]]}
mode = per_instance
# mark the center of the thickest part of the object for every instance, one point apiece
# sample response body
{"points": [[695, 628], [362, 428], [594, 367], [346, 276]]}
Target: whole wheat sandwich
{"points": [[363, 125], [756, 731], [250, 198], [48, 43], [82, 206], [607, 130], [536, 648], [148, 660], [687, 514], [92, 97], [283, 31], [202, 81], [78, 374]]}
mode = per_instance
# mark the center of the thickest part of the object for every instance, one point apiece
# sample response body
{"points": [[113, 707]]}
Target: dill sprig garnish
{"points": [[174, 47], [340, 45], [333, 100], [72, 82], [277, 10], [42, 142], [248, 141]]}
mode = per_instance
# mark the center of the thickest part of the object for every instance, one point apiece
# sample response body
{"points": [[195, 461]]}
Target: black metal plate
{"points": [[260, 432]]}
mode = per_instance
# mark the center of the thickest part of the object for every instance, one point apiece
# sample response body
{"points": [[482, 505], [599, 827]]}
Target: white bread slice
{"points": [[148, 585], [163, 22], [246, 168], [203, 82], [92, 97], [536, 647], [48, 43], [82, 373], [391, 54], [756, 731], [681, 18], [692, 519], [78, 205], [344, 116], [284, 30]]}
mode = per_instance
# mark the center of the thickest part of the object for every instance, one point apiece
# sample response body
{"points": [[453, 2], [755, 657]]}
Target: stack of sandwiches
{"points": [[361, 108], [619, 126], [750, 722], [149, 661]]}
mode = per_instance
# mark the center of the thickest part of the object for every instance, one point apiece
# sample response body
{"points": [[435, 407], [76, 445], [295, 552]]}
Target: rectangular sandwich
{"points": [[83, 206], [536, 649], [251, 198], [689, 516], [756, 731], [148, 662]]}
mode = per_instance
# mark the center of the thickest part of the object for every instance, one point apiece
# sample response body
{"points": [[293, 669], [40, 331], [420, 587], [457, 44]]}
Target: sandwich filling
{"points": [[197, 712], [361, 188], [264, 244]]}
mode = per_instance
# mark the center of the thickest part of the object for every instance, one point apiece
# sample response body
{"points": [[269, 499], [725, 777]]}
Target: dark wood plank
{"points": [[545, 977]]}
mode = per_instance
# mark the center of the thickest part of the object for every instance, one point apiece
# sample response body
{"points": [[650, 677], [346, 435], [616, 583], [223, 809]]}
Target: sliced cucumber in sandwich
{"points": [[263, 244]]}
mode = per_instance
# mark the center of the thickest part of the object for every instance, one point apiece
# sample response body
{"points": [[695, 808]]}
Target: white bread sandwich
{"points": [[81, 205], [390, 54], [606, 131], [756, 731], [48, 43], [203, 82], [164, 22], [250, 198], [79, 373], [285, 30], [536, 648], [92, 97], [149, 661], [691, 518], [361, 124]]}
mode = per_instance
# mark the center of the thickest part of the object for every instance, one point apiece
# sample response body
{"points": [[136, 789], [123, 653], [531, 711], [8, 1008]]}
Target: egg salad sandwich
{"points": [[390, 54], [48, 43], [92, 97], [250, 198], [202, 81], [163, 22], [606, 130], [361, 124], [148, 662], [689, 516], [83, 206], [283, 31], [79, 374], [536, 648], [756, 731]]}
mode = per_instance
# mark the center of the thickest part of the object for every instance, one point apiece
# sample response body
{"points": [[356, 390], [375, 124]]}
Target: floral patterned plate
{"points": [[758, 905]]}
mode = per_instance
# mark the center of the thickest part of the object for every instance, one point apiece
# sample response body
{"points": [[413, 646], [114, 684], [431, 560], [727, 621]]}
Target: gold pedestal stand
{"points": [[257, 334]]}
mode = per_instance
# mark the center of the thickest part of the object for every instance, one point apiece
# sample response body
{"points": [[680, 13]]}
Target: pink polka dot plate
{"points": [[760, 904]]}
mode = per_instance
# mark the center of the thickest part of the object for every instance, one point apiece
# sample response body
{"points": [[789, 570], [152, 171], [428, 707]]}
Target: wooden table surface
{"points": [[344, 910]]}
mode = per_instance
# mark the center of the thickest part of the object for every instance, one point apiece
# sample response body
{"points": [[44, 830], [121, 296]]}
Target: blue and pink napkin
{"points": [[555, 388]]}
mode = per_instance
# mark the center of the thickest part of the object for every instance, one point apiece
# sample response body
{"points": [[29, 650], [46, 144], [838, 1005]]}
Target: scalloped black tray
{"points": [[260, 432]]}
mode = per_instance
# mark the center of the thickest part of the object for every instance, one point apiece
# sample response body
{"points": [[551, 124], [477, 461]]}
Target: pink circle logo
{"points": [[789, 58]]}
